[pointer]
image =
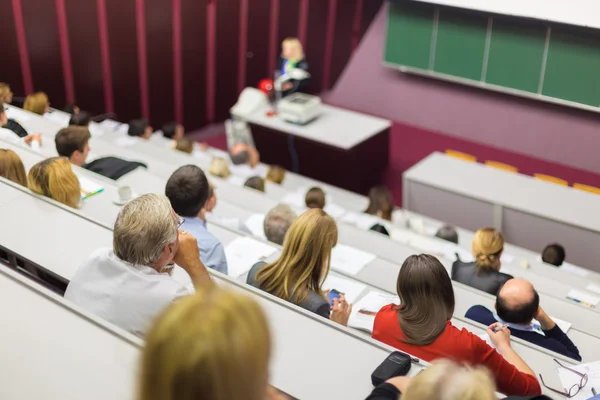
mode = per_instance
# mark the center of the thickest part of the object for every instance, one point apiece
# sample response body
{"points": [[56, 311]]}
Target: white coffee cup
{"points": [[125, 193]]}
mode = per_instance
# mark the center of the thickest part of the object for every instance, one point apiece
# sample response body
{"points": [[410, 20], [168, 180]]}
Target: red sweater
{"points": [[459, 345]]}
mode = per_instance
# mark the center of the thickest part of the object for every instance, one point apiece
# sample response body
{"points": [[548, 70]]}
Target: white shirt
{"points": [[124, 294], [9, 136]]}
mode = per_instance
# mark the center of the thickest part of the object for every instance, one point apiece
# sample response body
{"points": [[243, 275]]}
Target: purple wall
{"points": [[553, 133]]}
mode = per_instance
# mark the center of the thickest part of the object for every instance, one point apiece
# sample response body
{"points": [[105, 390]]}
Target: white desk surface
{"points": [[515, 191], [335, 127], [51, 352]]}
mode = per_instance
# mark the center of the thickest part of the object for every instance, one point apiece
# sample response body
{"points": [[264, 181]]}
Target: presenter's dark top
{"points": [[299, 85], [489, 281]]}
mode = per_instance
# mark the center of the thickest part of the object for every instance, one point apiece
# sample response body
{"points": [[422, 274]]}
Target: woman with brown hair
{"points": [[11, 167], [298, 275], [37, 103], [484, 273], [421, 326], [55, 178], [380, 203], [275, 174]]}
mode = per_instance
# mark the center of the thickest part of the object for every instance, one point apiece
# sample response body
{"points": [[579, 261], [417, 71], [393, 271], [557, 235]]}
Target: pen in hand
{"points": [[499, 328]]}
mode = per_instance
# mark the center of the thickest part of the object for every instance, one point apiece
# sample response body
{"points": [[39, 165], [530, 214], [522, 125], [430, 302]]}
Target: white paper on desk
{"points": [[126, 141], [593, 288], [96, 130], [89, 187], [243, 253], [60, 118], [507, 258], [583, 297], [247, 171], [294, 199], [110, 124], [401, 235], [334, 210], [568, 378], [348, 260], [18, 114], [351, 289], [233, 223], [256, 224], [237, 180], [362, 312], [575, 270]]}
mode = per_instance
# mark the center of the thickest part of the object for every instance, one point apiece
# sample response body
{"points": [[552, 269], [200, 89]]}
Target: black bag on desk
{"points": [[396, 364], [112, 167]]}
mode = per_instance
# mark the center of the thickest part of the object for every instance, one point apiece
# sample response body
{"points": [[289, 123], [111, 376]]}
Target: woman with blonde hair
{"points": [[37, 103], [11, 167], [55, 178], [484, 273], [298, 275], [292, 57], [275, 174], [380, 203], [214, 345], [219, 168]]}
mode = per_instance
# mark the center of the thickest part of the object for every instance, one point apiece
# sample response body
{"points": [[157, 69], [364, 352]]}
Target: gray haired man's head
{"points": [[277, 222]]}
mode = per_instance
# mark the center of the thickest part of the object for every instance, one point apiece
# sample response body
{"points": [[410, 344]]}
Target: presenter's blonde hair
{"points": [[487, 248], [447, 380], [297, 46], [219, 167], [37, 103], [214, 345], [11, 167], [305, 260], [55, 178]]}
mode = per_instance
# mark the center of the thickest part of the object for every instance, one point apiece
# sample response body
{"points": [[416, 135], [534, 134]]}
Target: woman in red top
{"points": [[421, 327]]}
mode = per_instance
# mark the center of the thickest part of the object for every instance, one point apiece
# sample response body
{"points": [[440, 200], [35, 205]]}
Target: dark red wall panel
{"points": [[257, 60], [159, 33], [123, 58], [289, 11], [193, 17], [82, 25], [315, 50], [228, 33], [369, 11], [41, 30], [342, 43], [10, 67]]}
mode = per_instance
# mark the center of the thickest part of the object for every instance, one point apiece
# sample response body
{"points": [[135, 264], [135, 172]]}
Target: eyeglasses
{"points": [[180, 222], [574, 389]]}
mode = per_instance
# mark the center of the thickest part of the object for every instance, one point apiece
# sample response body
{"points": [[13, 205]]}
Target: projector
{"points": [[299, 108]]}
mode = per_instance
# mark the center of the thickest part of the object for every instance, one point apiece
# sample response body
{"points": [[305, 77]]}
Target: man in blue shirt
{"points": [[517, 304], [188, 191]]}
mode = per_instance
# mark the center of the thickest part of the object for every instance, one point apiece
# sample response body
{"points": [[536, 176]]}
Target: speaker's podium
{"points": [[341, 147]]}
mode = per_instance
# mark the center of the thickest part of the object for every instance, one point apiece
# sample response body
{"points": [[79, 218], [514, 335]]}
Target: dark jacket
{"points": [[112, 167], [555, 340], [489, 281], [16, 128], [299, 86]]}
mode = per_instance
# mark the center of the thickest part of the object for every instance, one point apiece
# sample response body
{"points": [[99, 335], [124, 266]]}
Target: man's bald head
{"points": [[517, 301]]}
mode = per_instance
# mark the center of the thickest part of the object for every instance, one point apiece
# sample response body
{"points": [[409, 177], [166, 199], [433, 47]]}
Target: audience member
{"points": [[139, 128], [447, 233], [380, 229], [82, 118], [72, 109], [173, 130], [380, 203], [278, 222], [444, 380], [315, 198], [212, 346], [517, 304], [219, 168], [483, 274], [54, 178], [298, 275], [185, 145], [73, 143], [421, 327], [188, 189], [554, 254], [37, 103], [12, 132], [6, 95], [243, 154], [256, 183], [11, 167], [275, 174], [130, 284]]}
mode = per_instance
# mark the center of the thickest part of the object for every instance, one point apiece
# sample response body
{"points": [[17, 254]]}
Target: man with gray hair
{"points": [[130, 284], [277, 222]]}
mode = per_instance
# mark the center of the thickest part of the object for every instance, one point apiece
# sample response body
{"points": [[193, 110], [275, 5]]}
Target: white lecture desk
{"points": [[529, 212]]}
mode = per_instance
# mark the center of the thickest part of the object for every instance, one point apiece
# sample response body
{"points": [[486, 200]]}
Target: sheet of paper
{"points": [[593, 288], [351, 289], [243, 253], [237, 180], [60, 118], [348, 260], [255, 224], [294, 199], [110, 124], [89, 187], [96, 130], [402, 236], [126, 141], [583, 298], [363, 312], [364, 221], [575, 270], [568, 378], [17, 114], [507, 258], [334, 210], [247, 171]]}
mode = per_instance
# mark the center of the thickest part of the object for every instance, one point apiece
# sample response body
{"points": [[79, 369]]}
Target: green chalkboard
{"points": [[460, 44], [516, 55], [409, 34], [573, 66]]}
